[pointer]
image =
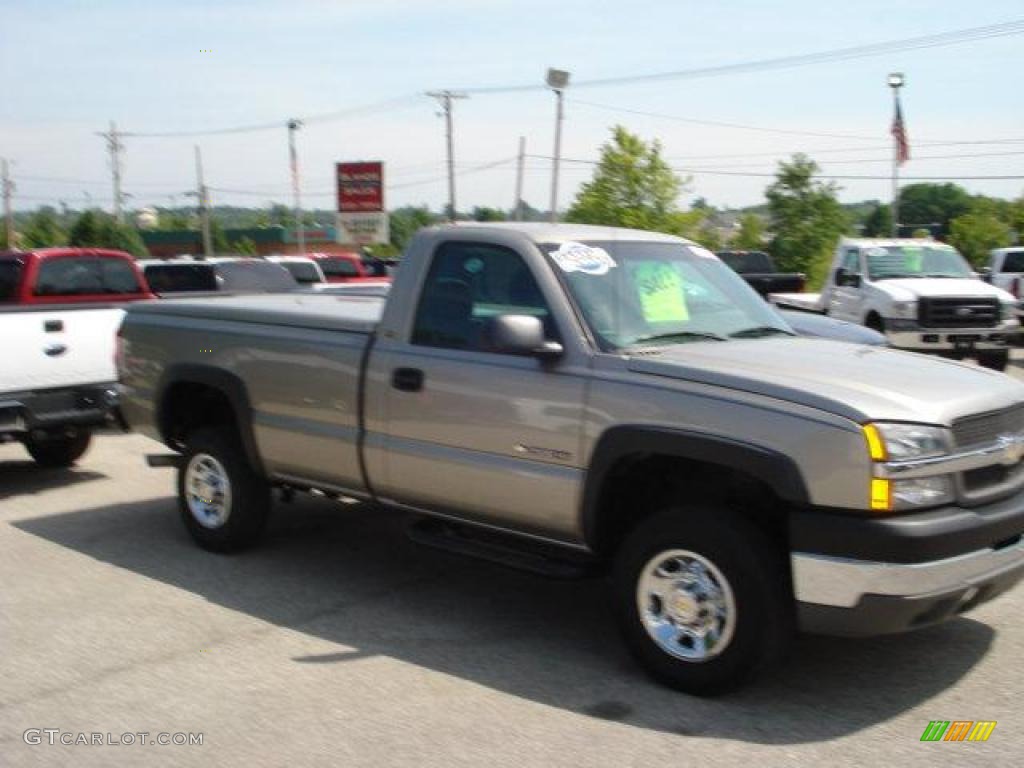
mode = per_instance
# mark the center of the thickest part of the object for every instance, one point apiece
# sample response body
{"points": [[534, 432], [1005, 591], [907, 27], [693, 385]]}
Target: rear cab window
{"points": [[86, 276], [339, 267], [10, 278], [181, 278]]}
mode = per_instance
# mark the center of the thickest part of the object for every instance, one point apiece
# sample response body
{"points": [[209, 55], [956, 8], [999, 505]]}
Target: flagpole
{"points": [[896, 82]]}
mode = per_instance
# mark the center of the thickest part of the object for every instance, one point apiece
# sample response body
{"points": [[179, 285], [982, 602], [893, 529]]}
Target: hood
{"points": [[858, 382], [909, 289]]}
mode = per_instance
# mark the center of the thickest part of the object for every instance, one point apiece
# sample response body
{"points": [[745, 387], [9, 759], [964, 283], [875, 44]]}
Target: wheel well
{"points": [[637, 486], [874, 321], [187, 405]]}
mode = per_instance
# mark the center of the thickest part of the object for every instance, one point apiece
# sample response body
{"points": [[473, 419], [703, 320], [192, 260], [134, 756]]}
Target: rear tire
{"points": [[703, 599], [996, 360], [60, 450], [223, 501]]}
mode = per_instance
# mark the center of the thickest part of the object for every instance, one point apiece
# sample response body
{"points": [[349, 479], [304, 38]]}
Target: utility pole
{"points": [[115, 147], [293, 156], [8, 191], [557, 80], [517, 210], [445, 100], [202, 194]]}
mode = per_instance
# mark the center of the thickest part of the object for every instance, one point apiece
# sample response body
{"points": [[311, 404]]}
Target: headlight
{"points": [[903, 442], [908, 441], [904, 309]]}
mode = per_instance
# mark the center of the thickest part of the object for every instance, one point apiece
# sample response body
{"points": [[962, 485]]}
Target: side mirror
{"points": [[842, 277], [519, 335], [985, 273]]}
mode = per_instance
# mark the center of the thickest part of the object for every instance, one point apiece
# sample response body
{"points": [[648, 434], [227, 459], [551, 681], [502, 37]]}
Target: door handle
{"points": [[407, 379], [53, 350]]}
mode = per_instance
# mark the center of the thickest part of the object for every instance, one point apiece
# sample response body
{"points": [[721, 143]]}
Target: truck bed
{"points": [[355, 314]]}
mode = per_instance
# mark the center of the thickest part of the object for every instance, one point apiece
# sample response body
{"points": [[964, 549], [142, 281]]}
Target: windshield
{"points": [[918, 260], [637, 294], [10, 274]]}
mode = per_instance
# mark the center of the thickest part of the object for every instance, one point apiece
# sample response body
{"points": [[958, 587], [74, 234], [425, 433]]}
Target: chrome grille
{"points": [[984, 428], [958, 312]]}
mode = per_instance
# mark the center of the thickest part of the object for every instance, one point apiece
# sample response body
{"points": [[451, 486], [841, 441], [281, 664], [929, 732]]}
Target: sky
{"points": [[68, 68]]}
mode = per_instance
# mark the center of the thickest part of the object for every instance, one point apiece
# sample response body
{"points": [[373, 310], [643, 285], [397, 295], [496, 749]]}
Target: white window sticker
{"points": [[577, 257]]}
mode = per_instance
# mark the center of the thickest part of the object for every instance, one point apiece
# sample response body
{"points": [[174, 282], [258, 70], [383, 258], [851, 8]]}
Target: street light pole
{"points": [[557, 80], [293, 158], [445, 100], [204, 205], [896, 81]]}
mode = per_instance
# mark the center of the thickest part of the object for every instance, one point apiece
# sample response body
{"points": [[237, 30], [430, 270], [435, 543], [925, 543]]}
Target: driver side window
{"points": [[467, 284], [851, 262]]}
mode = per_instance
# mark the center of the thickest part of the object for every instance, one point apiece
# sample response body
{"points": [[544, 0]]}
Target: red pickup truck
{"points": [[347, 268], [70, 276]]}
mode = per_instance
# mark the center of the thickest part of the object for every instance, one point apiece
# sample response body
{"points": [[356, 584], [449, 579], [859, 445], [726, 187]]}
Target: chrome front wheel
{"points": [[686, 605]]}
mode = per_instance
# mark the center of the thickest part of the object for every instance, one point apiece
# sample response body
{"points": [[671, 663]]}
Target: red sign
{"points": [[360, 187]]}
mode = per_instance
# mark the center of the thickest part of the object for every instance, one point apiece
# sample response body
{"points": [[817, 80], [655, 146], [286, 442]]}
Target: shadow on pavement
{"points": [[20, 478], [351, 577]]}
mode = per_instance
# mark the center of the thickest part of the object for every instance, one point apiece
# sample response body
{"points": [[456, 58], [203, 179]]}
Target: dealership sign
{"points": [[362, 218]]}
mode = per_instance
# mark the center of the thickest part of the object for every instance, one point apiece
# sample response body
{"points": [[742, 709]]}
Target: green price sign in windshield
{"points": [[660, 288]]}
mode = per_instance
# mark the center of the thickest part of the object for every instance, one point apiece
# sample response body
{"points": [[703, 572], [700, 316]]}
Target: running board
{"points": [[163, 459], [506, 550]]}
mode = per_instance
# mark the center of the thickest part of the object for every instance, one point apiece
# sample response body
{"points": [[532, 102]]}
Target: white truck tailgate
{"points": [[77, 349]]}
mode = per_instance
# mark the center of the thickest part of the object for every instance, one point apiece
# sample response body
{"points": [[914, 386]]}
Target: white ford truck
{"points": [[921, 294]]}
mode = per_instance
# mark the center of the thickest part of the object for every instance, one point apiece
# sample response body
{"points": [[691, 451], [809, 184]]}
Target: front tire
{"points": [[223, 501], [703, 599], [62, 450], [997, 360]]}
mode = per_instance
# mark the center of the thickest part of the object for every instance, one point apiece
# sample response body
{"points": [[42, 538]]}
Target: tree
{"points": [[806, 218], [878, 223], [632, 186], [244, 246], [485, 213], [404, 222], [95, 229], [922, 205], [750, 235], [218, 239], [976, 233], [43, 229]]}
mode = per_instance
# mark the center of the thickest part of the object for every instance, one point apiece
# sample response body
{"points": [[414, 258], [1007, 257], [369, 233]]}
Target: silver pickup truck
{"points": [[570, 399]]}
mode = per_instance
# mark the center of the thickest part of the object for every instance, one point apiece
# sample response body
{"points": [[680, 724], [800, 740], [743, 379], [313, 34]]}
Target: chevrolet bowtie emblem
{"points": [[1012, 446]]}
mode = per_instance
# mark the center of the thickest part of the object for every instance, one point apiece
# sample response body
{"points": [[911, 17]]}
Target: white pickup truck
{"points": [[60, 309], [921, 294]]}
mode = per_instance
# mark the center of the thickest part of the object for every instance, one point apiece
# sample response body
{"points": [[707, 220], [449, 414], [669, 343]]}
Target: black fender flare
{"points": [[775, 469], [225, 382]]}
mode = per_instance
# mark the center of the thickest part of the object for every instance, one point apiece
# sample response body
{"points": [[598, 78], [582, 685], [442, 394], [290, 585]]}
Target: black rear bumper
{"points": [[84, 406]]}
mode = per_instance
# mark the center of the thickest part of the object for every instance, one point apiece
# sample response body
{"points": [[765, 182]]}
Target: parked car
{"points": [[229, 274], [347, 268], [59, 313], [569, 398], [1006, 268], [758, 269], [306, 271], [921, 294]]}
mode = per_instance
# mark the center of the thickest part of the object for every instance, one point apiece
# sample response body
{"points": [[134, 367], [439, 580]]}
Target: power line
{"points": [[839, 177], [953, 37]]}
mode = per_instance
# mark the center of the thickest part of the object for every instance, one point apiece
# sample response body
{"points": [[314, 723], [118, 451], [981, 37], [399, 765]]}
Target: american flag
{"points": [[899, 133]]}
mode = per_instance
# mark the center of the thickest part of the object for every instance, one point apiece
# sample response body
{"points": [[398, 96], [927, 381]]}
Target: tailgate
{"points": [[57, 348]]}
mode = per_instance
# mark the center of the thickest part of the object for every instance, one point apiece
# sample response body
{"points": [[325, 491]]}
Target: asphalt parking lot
{"points": [[341, 643]]}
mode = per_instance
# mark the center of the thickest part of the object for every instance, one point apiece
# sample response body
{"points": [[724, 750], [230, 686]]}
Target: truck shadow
{"points": [[351, 577], [20, 478]]}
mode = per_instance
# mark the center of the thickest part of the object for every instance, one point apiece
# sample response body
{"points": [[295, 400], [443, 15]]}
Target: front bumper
{"points": [[907, 334], [872, 576]]}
